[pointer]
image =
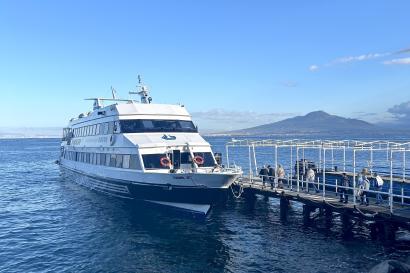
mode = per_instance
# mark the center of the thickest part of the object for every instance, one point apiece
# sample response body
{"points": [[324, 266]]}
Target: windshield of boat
{"points": [[157, 125]]}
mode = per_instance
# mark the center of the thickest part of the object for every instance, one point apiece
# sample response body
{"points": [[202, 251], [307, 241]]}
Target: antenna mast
{"points": [[114, 93], [143, 92]]}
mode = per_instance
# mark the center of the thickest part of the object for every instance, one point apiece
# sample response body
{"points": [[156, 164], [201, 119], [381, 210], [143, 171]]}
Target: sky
{"points": [[233, 64]]}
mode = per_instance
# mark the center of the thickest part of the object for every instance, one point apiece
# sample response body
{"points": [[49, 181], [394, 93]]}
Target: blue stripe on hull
{"points": [[141, 191]]}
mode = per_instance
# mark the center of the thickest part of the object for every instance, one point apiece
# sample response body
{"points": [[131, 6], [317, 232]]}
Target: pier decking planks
{"points": [[400, 216]]}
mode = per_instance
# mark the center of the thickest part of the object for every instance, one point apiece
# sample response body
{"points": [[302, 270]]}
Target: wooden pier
{"points": [[382, 222]]}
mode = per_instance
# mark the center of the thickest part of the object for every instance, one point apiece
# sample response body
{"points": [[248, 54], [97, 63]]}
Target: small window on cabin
{"points": [[87, 157], [135, 162], [208, 159], [102, 159], [110, 127], [94, 129], [153, 161], [126, 161], [107, 159], [102, 128], [118, 162], [97, 130], [112, 160], [97, 159]]}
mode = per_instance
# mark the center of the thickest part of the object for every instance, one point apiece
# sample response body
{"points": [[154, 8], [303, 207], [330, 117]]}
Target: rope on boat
{"points": [[239, 194]]}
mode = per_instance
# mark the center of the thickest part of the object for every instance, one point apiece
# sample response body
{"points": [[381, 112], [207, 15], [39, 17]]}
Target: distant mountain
{"points": [[27, 132], [314, 122]]}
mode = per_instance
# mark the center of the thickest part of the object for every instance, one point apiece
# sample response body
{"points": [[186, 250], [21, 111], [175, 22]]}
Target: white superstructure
{"points": [[142, 150]]}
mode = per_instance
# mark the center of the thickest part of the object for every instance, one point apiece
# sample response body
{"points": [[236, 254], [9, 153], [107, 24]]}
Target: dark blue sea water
{"points": [[48, 224]]}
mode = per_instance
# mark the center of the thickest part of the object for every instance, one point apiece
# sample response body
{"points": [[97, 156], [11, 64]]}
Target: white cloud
{"points": [[398, 61], [360, 58], [366, 57]]}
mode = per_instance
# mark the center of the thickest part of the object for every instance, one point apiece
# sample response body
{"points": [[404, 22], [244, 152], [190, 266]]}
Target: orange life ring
{"points": [[165, 162], [199, 160]]}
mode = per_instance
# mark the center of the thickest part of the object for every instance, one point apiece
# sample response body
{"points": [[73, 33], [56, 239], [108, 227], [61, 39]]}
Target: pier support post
{"points": [[328, 217], [346, 225], [307, 210], [284, 208]]}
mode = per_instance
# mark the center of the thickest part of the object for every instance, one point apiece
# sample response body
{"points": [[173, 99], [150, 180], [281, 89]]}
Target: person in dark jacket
{"points": [[263, 173], [271, 173], [344, 188]]}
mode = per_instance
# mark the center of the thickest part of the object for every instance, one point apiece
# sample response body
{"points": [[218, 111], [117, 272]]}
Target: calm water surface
{"points": [[48, 224]]}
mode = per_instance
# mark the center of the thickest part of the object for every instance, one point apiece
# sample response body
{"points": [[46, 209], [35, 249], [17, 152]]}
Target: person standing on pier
{"points": [[364, 188], [263, 173], [344, 190], [280, 174], [271, 172], [378, 184], [310, 178]]}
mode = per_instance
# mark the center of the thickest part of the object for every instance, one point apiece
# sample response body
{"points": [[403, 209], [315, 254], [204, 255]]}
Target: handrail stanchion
{"points": [[324, 173], [391, 181], [354, 177], [336, 186], [371, 161], [227, 155], [254, 159], [344, 159], [291, 167], [276, 157], [250, 166], [297, 167], [404, 176]]}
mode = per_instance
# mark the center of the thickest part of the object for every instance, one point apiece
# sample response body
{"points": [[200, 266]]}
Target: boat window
{"points": [[110, 127], [126, 161], [97, 131], [135, 162], [102, 159], [143, 125], [105, 128], [153, 161], [112, 160], [118, 162], [208, 159], [107, 159]]}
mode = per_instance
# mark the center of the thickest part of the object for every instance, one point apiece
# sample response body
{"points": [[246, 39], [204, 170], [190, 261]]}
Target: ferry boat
{"points": [[144, 151]]}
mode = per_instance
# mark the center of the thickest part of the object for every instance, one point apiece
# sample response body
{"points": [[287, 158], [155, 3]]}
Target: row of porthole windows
{"points": [[125, 161], [104, 128]]}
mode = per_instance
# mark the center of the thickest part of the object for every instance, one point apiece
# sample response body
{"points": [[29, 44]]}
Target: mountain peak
{"points": [[317, 114], [313, 122]]}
